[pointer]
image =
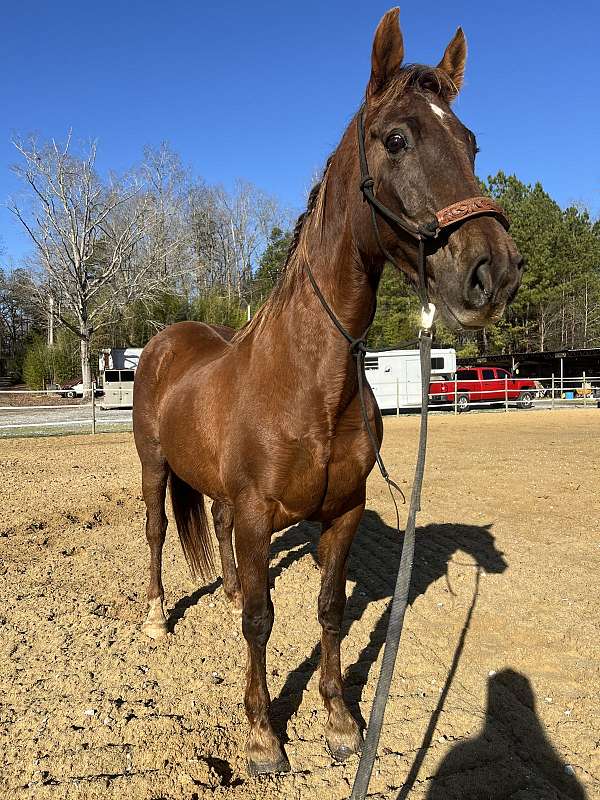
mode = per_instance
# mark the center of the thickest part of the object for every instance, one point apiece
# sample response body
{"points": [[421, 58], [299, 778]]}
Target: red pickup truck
{"points": [[483, 384]]}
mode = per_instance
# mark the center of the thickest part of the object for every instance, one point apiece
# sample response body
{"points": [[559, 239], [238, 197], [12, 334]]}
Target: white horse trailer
{"points": [[395, 375], [117, 371], [118, 388]]}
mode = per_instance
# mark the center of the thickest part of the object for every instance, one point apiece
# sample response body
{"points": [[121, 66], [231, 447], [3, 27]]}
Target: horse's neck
{"points": [[296, 323]]}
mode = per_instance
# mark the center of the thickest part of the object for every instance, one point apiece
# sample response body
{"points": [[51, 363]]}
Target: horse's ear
{"points": [[453, 62], [388, 52]]}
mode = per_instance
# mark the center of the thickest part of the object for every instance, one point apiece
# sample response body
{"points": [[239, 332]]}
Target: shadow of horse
{"points": [[373, 566], [510, 758]]}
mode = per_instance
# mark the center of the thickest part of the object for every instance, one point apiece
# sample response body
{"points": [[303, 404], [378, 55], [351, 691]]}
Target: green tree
{"points": [[558, 303], [271, 264], [398, 312], [37, 365]]}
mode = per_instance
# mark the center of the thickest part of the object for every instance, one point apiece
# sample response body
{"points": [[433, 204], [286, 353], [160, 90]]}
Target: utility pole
{"points": [[50, 321]]}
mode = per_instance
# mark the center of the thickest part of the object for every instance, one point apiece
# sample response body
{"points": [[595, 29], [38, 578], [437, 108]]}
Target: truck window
{"points": [[467, 375], [502, 373], [488, 375], [371, 362], [437, 362], [111, 376], [127, 375]]}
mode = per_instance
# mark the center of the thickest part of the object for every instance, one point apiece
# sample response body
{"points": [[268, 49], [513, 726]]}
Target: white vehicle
{"points": [[117, 371], [395, 375], [119, 358], [118, 388]]}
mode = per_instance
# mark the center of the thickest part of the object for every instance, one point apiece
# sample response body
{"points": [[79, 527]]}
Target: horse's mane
{"points": [[287, 277], [415, 77]]}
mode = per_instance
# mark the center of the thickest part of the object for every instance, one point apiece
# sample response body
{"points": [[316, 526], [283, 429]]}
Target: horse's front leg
{"points": [[253, 530], [341, 732]]}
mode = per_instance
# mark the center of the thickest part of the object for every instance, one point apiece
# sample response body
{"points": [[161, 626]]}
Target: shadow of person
{"points": [[511, 758], [373, 567]]}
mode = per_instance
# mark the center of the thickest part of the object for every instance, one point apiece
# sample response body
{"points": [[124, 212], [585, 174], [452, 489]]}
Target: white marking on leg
{"points": [[155, 625]]}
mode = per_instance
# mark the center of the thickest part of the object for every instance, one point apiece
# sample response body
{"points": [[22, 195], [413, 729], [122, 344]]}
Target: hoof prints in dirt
{"points": [[73, 602]]}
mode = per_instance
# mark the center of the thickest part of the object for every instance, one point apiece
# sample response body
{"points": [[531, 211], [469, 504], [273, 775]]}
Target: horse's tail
{"points": [[192, 526]]}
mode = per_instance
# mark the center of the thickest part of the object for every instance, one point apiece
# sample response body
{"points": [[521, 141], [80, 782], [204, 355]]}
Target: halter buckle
{"points": [[427, 315]]}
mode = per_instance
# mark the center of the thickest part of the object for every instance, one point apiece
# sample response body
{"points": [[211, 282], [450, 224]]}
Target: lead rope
{"points": [[422, 233], [401, 591], [357, 350], [400, 598]]}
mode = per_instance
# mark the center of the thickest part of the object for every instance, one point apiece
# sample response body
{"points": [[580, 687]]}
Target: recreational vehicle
{"points": [[395, 375]]}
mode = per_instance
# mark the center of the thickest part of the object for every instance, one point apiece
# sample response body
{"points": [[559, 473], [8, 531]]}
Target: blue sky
{"points": [[263, 90]]}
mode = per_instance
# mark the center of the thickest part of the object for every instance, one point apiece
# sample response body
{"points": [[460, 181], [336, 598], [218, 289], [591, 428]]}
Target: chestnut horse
{"points": [[267, 422]]}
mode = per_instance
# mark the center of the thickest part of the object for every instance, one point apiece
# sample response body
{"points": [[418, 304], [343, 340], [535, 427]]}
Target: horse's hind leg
{"points": [[222, 515], [341, 732], [154, 488]]}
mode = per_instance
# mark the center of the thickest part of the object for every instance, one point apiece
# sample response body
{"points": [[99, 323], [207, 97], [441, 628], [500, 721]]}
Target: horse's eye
{"points": [[395, 143]]}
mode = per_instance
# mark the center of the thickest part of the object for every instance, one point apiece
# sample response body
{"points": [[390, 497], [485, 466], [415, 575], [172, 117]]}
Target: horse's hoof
{"points": [[342, 752], [155, 630], [263, 768]]}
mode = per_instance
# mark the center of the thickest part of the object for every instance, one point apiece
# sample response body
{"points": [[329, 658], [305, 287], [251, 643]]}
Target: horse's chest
{"points": [[299, 481]]}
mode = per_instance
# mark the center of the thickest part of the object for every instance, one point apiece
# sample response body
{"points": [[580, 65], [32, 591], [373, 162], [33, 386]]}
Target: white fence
{"points": [[23, 419], [549, 393], [461, 395]]}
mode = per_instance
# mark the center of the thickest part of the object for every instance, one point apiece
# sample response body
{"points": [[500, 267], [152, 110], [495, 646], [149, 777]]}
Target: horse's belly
{"points": [[189, 442]]}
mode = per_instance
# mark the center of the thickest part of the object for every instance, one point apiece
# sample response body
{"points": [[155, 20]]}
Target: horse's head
{"points": [[421, 158]]}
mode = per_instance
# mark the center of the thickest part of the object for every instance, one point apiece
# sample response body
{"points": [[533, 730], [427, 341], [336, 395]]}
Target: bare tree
{"points": [[18, 313], [230, 230], [84, 231]]}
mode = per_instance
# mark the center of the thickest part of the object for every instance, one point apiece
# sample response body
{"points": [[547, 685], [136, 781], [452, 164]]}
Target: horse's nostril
{"points": [[521, 264], [481, 283]]}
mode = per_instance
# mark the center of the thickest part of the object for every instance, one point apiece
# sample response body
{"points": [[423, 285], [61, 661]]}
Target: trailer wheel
{"points": [[462, 401], [525, 400]]}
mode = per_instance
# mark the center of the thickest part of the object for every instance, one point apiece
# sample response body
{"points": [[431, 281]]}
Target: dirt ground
{"points": [[496, 692]]}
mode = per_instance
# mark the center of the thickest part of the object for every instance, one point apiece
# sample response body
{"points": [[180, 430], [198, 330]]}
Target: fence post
{"points": [[93, 407], [506, 393], [584, 391], [455, 393], [553, 390], [562, 376], [397, 396]]}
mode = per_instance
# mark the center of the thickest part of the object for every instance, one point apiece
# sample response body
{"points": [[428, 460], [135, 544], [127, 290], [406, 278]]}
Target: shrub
{"points": [[37, 365]]}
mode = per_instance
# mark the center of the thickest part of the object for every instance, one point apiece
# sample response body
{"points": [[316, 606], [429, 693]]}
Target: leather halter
{"points": [[453, 214]]}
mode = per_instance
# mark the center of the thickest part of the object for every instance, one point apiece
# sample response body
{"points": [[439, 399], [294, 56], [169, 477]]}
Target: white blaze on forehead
{"points": [[437, 110]]}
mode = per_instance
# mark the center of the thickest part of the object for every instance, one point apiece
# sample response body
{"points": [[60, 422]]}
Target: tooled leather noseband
{"points": [[450, 215]]}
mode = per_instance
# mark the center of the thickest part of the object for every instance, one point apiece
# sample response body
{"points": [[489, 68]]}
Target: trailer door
{"points": [[112, 389], [127, 376], [387, 383], [412, 381]]}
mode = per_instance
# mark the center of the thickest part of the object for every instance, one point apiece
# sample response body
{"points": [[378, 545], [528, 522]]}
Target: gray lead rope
{"points": [[401, 591], [357, 350], [400, 598]]}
